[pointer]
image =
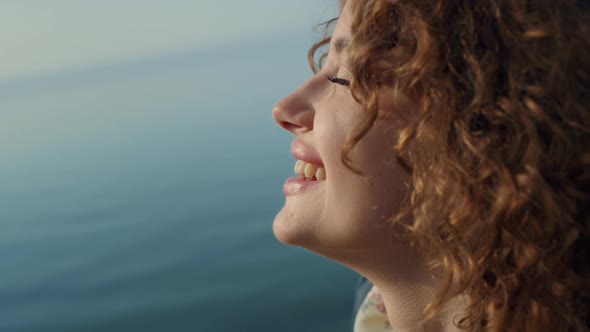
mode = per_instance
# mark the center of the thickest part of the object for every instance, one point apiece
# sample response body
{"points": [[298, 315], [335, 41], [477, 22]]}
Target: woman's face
{"points": [[345, 214]]}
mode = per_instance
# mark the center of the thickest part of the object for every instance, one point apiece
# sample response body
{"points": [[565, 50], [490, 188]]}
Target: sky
{"points": [[46, 36]]}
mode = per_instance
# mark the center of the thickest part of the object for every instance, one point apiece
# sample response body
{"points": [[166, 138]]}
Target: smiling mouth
{"points": [[309, 172]]}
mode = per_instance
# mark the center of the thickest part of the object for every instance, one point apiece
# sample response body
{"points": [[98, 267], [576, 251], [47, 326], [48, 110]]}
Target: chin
{"points": [[288, 230], [300, 219]]}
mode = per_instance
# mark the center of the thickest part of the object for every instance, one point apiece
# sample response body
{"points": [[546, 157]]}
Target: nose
{"points": [[296, 112]]}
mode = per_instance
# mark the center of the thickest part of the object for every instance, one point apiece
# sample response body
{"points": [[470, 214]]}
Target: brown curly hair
{"points": [[498, 152]]}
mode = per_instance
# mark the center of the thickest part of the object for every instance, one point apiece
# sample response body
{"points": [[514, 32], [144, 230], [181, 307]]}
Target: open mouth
{"points": [[310, 172]]}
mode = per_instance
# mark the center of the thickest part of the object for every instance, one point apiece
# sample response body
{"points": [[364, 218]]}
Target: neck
{"points": [[405, 302], [407, 287]]}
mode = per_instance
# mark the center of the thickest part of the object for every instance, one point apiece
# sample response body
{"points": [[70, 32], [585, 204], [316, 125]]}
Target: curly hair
{"points": [[498, 151]]}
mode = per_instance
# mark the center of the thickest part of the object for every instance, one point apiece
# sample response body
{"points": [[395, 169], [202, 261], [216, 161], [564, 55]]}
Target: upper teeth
{"points": [[309, 171]]}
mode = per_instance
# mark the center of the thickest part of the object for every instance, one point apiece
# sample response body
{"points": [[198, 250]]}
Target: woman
{"points": [[442, 153]]}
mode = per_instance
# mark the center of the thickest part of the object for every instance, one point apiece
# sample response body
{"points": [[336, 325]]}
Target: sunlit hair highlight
{"points": [[498, 150]]}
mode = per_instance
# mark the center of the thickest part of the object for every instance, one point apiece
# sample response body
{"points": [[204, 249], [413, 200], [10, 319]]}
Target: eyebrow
{"points": [[341, 44]]}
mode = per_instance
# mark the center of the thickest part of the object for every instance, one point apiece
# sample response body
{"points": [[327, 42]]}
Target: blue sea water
{"points": [[139, 196]]}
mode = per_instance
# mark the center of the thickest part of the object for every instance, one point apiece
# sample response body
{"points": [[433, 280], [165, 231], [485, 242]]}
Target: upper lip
{"points": [[304, 153]]}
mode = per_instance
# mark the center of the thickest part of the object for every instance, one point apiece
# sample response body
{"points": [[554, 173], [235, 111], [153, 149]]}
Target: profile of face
{"points": [[329, 209]]}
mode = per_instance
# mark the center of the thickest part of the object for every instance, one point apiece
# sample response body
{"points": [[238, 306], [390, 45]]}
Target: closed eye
{"points": [[337, 80]]}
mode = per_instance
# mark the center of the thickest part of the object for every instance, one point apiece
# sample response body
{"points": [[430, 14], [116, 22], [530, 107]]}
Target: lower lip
{"points": [[295, 186]]}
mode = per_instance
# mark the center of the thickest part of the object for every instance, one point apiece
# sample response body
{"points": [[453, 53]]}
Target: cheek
{"points": [[387, 181], [379, 194], [332, 125]]}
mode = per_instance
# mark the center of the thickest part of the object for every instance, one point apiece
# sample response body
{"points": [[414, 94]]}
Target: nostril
{"points": [[289, 126]]}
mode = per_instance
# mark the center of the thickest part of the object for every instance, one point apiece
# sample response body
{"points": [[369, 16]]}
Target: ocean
{"points": [[139, 196]]}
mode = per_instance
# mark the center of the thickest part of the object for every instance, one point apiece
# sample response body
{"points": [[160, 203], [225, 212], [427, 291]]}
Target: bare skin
{"points": [[346, 217]]}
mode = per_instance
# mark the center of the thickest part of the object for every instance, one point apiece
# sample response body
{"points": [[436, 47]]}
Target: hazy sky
{"points": [[40, 36]]}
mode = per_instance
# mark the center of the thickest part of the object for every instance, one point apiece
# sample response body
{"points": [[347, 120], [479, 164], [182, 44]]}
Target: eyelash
{"points": [[337, 80]]}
